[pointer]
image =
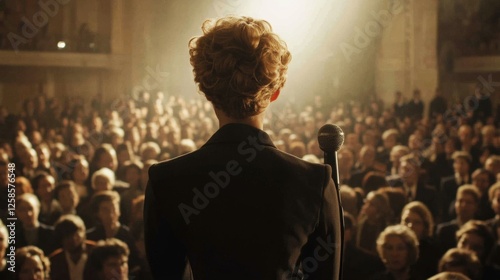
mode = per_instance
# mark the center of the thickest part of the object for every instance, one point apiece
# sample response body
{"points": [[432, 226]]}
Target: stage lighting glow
{"points": [[61, 45], [298, 22]]}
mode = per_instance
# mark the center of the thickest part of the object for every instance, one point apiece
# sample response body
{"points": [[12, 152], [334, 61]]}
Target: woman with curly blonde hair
{"points": [[239, 208]]}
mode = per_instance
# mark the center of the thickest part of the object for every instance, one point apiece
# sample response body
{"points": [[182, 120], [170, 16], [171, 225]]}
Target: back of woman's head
{"points": [[238, 63]]}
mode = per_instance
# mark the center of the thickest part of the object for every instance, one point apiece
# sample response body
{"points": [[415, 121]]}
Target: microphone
{"points": [[330, 139]]}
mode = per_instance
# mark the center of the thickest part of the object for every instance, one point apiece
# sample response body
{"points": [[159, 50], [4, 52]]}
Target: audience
{"points": [[90, 160]]}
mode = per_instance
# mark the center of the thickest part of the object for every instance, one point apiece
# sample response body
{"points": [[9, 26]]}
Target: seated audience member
{"points": [[149, 151], [23, 185], [355, 257], [31, 264], [346, 163], [4, 235], [364, 165], [67, 197], [108, 260], [417, 217], [477, 237], [466, 205], [397, 152], [389, 140], [494, 223], [349, 200], [397, 246], [492, 164], [461, 261], [50, 210], [449, 186], [133, 177], [142, 271], [80, 174], [31, 231], [375, 215], [68, 262], [44, 163], [483, 179], [373, 181], [413, 186], [104, 156], [397, 200], [106, 207], [103, 180]]}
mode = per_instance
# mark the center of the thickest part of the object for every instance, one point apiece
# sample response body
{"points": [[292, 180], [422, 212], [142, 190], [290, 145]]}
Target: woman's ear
{"points": [[275, 95]]}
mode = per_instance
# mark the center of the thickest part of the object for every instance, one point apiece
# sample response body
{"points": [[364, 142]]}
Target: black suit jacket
{"points": [[426, 194], [45, 238], [446, 234], [238, 208]]}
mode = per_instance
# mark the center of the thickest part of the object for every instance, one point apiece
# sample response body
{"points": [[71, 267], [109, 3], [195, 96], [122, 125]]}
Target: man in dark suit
{"points": [[31, 231], [238, 208], [449, 185], [409, 179]]}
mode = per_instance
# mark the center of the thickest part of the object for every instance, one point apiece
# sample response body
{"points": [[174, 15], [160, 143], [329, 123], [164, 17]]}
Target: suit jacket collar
{"points": [[237, 133]]}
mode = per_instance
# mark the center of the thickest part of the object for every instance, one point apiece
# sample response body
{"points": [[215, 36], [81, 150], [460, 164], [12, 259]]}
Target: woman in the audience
{"points": [[397, 246], [375, 215], [461, 261]]}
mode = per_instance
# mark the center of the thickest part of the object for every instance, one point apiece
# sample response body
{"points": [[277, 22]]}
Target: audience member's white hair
{"points": [[29, 198], [311, 158], [105, 173], [187, 146]]}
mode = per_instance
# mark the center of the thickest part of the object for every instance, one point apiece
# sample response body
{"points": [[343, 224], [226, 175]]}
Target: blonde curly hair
{"points": [[238, 63]]}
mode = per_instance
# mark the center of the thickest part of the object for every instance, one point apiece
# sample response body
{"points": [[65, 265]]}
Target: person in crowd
{"points": [[477, 237], [483, 179], [108, 260], [418, 218], [32, 264], [104, 156], [397, 152], [466, 206], [364, 165], [415, 188], [142, 271], [346, 163], [68, 262], [492, 164], [415, 107], [67, 196], [106, 207], [50, 209], [355, 257], [103, 180], [466, 135], [397, 246], [449, 186], [438, 105], [23, 185], [461, 261], [31, 231], [399, 106], [375, 215]]}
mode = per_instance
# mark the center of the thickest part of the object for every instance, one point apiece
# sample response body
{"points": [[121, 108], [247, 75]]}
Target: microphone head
{"points": [[330, 138]]}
